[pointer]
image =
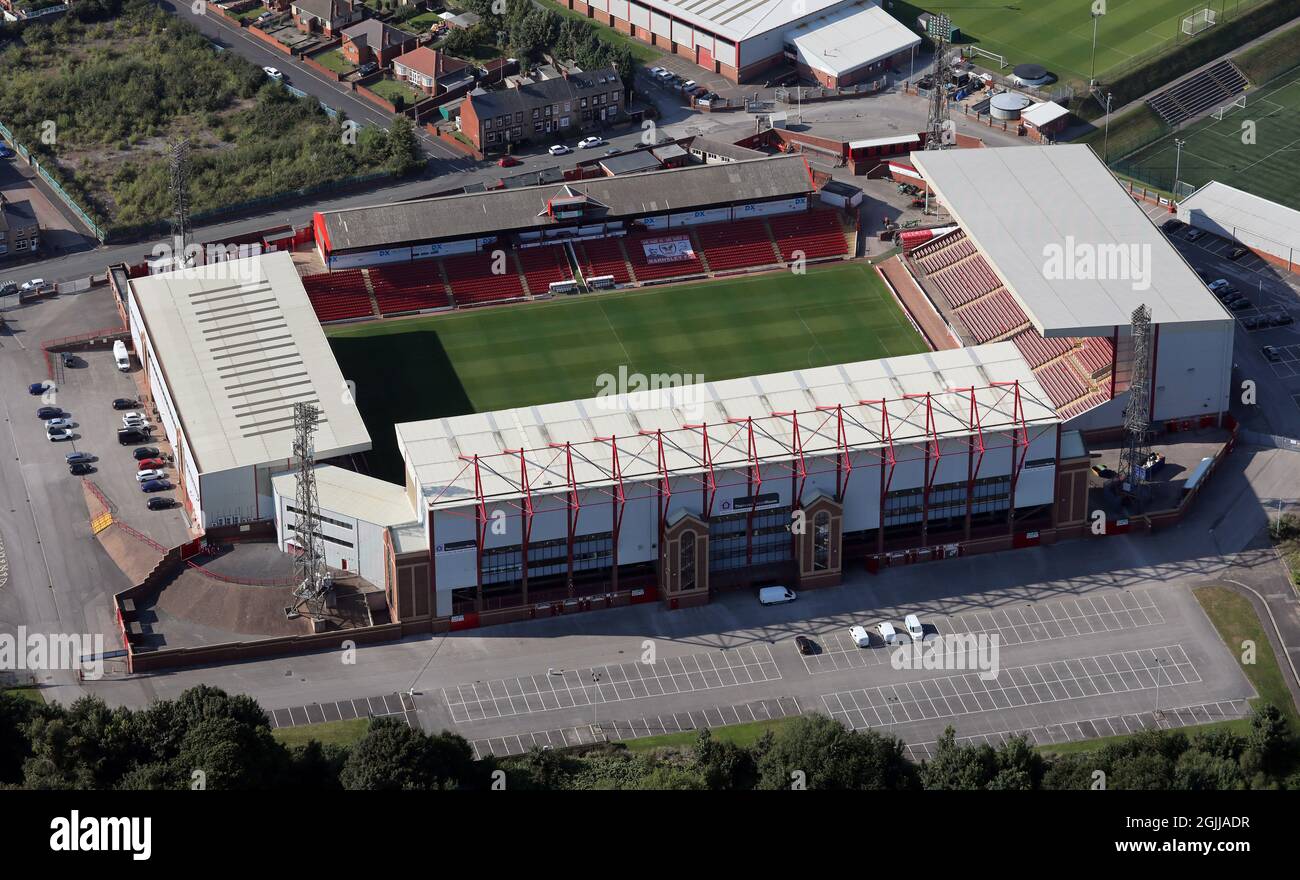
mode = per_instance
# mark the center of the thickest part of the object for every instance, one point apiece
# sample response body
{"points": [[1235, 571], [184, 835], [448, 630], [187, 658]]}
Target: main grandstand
{"points": [[778, 477]]}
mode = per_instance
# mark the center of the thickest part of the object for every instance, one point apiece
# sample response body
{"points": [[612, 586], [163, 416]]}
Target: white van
{"points": [[775, 595], [119, 354], [891, 635]]}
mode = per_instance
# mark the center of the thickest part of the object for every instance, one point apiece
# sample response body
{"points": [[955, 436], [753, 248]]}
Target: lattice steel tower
{"points": [[1137, 415], [314, 580], [180, 192], [939, 29]]}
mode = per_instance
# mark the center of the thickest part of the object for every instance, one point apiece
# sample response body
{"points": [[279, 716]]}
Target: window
{"points": [[821, 541], [519, 116], [688, 551], [613, 97], [584, 102]]}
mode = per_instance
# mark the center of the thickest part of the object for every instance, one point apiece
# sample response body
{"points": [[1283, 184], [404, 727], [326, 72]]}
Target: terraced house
{"points": [[569, 104]]}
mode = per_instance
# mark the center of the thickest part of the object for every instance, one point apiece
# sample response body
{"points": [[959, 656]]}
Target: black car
{"points": [[125, 403], [1237, 253], [39, 387], [805, 645], [368, 68], [146, 452], [1238, 305], [160, 503], [80, 469], [69, 359], [129, 436], [1281, 317], [1171, 225], [1254, 322], [49, 412]]}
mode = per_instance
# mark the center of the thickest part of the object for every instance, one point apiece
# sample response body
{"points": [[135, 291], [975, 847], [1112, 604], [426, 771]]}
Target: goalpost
{"points": [[1239, 102], [1198, 21], [972, 51]]}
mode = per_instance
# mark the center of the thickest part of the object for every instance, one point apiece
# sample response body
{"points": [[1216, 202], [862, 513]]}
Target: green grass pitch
{"points": [[529, 353], [1058, 33], [1213, 149]]}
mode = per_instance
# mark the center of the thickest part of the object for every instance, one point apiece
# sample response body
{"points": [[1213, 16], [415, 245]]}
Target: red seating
{"points": [[1061, 383], [992, 317], [338, 296], [1038, 350], [543, 266], [1078, 407], [647, 271], [966, 281], [736, 245], [815, 233], [472, 281], [1096, 357], [602, 256], [409, 287]]}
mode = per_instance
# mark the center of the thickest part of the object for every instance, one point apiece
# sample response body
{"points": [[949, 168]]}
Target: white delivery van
{"points": [[892, 636], [775, 595], [119, 354]]}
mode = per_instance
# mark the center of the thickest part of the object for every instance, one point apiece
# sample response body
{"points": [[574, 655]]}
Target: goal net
{"points": [[1239, 103], [1198, 21]]}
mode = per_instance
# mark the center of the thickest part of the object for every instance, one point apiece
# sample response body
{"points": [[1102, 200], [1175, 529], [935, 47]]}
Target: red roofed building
{"points": [[424, 69]]}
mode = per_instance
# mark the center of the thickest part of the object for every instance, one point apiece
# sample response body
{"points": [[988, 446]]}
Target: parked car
{"points": [[125, 403], [1238, 305], [160, 503], [58, 423], [914, 627], [559, 150], [891, 635], [688, 85], [655, 71], [6, 152], [508, 162], [1218, 284], [49, 412], [263, 18], [860, 636], [1171, 226], [135, 416], [155, 486], [775, 595], [1254, 322], [368, 68], [1271, 353], [805, 645], [80, 469], [1237, 253], [588, 142], [273, 73], [146, 464], [1193, 234], [146, 452], [69, 359], [613, 151], [1280, 317], [131, 436], [34, 284], [79, 458], [56, 435], [40, 387], [146, 476]]}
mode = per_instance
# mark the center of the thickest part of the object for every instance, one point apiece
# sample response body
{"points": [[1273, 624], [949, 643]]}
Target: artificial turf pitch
{"points": [[529, 353], [1058, 33]]}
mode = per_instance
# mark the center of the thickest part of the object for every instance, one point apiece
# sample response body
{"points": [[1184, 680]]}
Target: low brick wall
{"points": [[454, 142], [321, 68], [377, 100], [269, 40]]}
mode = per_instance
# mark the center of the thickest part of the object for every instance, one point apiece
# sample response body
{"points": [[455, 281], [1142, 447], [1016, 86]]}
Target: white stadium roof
{"points": [[737, 20], [440, 452], [238, 344], [1254, 221], [1020, 204], [847, 38], [366, 498]]}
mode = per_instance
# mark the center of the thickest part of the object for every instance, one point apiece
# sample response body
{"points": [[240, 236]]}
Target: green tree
{"points": [[723, 765], [827, 756], [395, 756], [1201, 771], [404, 154]]}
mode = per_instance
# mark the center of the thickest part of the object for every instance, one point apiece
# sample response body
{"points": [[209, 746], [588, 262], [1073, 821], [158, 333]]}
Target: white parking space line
{"points": [[1014, 625], [1094, 728], [1017, 686], [501, 698]]}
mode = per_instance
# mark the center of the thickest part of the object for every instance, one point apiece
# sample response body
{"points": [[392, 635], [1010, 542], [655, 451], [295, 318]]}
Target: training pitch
{"points": [[1058, 33], [1215, 149], [529, 353]]}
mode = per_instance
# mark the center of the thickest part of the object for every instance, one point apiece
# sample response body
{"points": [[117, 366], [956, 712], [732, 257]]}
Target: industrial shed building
{"points": [[228, 348], [1267, 228]]}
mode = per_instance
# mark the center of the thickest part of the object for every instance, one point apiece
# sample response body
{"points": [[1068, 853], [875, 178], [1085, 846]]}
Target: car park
{"points": [[125, 403], [147, 475], [588, 142], [80, 469], [160, 503], [1271, 353], [79, 457], [805, 645], [559, 150], [860, 636], [155, 486], [56, 435], [146, 452], [775, 595], [49, 412]]}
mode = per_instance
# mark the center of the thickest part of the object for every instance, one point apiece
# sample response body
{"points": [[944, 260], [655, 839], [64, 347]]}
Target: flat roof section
{"points": [[239, 344], [739, 19], [1026, 206], [495, 211], [441, 452], [850, 37], [1248, 216], [366, 498]]}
